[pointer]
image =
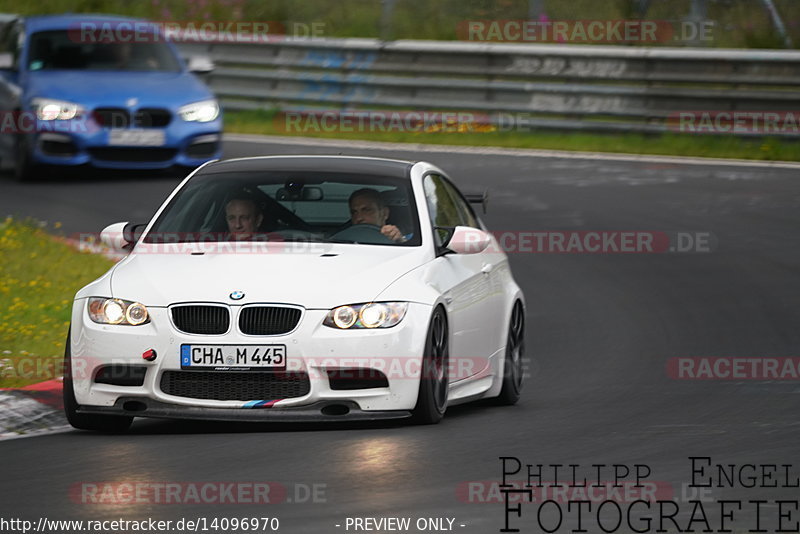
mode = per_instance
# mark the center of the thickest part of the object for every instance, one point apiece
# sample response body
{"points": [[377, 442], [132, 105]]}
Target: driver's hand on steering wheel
{"points": [[393, 233]]}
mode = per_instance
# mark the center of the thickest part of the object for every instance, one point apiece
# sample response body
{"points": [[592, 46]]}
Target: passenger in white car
{"points": [[243, 218]]}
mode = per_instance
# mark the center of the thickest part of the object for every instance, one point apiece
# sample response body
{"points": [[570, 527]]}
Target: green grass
{"points": [[39, 276], [672, 144], [738, 23]]}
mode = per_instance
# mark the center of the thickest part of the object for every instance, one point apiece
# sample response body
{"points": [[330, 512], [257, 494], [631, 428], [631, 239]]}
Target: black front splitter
{"points": [[325, 411]]}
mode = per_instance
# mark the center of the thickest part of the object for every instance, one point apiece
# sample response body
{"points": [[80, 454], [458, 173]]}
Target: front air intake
{"points": [[121, 375], [251, 385]]}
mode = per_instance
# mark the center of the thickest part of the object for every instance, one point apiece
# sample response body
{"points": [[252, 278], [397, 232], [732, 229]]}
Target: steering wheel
{"points": [[362, 233]]}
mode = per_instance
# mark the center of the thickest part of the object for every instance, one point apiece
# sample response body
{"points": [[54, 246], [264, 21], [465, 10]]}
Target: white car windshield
{"points": [[290, 206]]}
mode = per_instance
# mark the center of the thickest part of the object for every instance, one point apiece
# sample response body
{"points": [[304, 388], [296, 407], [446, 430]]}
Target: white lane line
{"points": [[499, 151]]}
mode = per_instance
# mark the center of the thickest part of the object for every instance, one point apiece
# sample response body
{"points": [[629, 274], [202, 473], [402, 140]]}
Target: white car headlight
{"points": [[116, 311], [205, 111], [367, 315], [48, 109]]}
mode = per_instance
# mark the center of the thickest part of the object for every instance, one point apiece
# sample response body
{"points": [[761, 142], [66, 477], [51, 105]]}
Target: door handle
{"points": [[487, 268]]}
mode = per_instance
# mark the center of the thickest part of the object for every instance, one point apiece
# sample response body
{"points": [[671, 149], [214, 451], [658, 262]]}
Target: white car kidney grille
{"points": [[268, 320], [200, 319]]}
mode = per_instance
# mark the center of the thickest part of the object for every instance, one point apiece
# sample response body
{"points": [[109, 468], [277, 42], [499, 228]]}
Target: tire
{"points": [[515, 351], [99, 423], [433, 383], [24, 169]]}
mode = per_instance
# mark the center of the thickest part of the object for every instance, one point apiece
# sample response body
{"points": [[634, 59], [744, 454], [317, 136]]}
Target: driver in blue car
{"points": [[367, 207]]}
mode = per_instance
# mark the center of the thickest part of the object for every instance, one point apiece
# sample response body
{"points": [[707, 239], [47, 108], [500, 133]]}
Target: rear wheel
{"points": [[98, 423], [515, 350], [433, 384]]}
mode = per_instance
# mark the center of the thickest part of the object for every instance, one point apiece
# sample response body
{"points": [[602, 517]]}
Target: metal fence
{"points": [[570, 87]]}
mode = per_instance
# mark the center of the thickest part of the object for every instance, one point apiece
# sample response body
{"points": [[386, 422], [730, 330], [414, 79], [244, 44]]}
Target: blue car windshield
{"points": [[64, 50]]}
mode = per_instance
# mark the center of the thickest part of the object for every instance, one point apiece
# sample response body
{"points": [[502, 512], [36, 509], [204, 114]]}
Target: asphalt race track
{"points": [[601, 331]]}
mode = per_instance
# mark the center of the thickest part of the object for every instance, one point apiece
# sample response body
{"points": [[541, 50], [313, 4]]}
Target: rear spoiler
{"points": [[479, 198]]}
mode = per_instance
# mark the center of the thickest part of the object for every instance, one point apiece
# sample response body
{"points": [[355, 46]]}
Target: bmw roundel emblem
{"points": [[237, 295]]}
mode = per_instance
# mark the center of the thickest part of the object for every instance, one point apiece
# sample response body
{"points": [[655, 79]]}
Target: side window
{"points": [[464, 210], [10, 41], [441, 206], [5, 30]]}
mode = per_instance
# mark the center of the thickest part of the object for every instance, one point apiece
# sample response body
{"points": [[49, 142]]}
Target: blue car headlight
{"points": [[367, 315], [204, 111], [50, 109]]}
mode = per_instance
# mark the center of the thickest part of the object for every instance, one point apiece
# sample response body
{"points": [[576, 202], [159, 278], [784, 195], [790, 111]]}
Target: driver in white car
{"points": [[367, 207], [243, 218]]}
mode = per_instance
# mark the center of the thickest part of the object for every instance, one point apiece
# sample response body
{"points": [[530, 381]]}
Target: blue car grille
{"points": [[122, 118], [132, 154]]}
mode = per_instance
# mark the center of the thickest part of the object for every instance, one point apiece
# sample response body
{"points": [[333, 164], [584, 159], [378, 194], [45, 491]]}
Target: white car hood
{"points": [[322, 279]]}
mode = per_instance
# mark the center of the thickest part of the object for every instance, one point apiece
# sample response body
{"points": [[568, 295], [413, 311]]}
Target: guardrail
{"points": [[572, 87]]}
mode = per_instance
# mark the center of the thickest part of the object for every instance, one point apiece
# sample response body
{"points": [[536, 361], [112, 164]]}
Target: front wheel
{"points": [[24, 169], [98, 423], [515, 350], [433, 384]]}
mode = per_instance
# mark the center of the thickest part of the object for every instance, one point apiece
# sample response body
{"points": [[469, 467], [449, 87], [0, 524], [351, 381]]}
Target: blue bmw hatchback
{"points": [[110, 92]]}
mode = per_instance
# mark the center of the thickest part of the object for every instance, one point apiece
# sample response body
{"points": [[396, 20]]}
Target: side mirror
{"points": [[6, 61], [131, 233], [113, 236], [467, 240], [200, 64]]}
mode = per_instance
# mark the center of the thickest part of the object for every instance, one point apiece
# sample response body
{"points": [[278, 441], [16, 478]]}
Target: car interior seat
{"points": [[399, 210]]}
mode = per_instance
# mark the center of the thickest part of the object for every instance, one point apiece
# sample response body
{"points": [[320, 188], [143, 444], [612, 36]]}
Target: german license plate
{"points": [[134, 137], [233, 357]]}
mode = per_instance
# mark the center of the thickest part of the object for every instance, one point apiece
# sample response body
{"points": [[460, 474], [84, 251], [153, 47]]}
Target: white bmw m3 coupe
{"points": [[288, 288]]}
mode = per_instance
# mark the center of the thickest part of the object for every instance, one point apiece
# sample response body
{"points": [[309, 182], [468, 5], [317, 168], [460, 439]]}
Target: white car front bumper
{"points": [[313, 352]]}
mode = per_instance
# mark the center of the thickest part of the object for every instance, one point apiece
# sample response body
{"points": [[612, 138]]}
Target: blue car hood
{"points": [[114, 88]]}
